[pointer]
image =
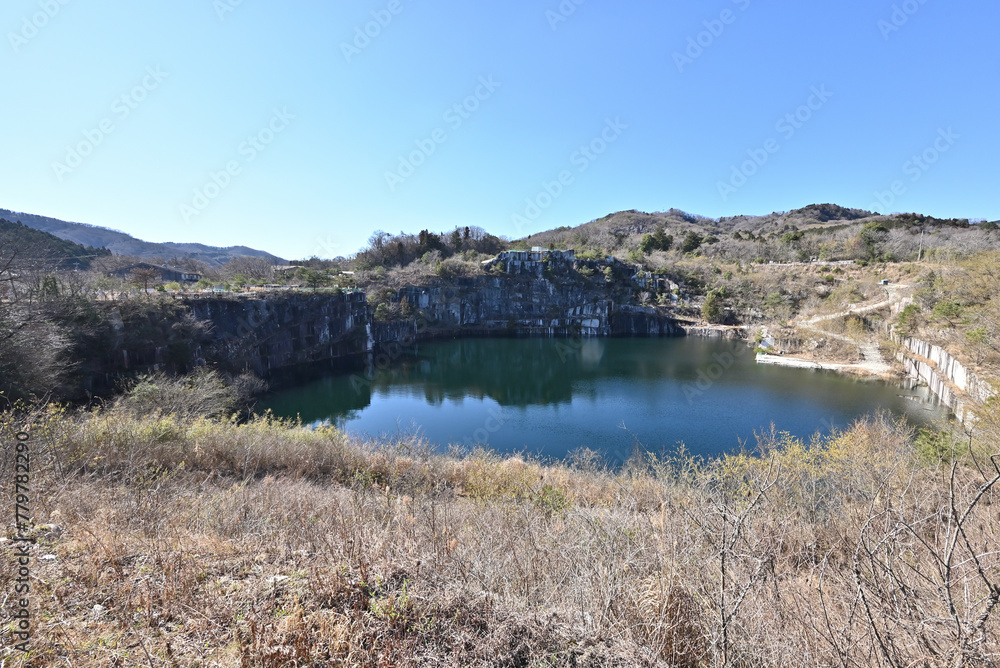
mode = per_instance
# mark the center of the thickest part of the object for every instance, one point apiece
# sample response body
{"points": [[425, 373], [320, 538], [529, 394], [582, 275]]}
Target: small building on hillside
{"points": [[167, 274]]}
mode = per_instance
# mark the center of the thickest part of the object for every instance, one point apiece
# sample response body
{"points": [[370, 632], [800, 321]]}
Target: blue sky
{"points": [[285, 127]]}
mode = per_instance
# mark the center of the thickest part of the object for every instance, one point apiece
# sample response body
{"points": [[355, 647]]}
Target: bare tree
{"points": [[143, 276], [31, 348], [254, 269]]}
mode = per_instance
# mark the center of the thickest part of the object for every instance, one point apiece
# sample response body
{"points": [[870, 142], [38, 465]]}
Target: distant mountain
{"points": [[34, 248], [607, 232], [613, 230], [124, 244], [814, 215]]}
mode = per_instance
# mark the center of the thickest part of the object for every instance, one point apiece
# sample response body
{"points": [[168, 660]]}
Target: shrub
{"points": [[948, 310], [907, 321], [692, 242], [203, 393], [453, 268], [935, 446]]}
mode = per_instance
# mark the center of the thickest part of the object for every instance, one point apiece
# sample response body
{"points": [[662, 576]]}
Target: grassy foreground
{"points": [[166, 541]]}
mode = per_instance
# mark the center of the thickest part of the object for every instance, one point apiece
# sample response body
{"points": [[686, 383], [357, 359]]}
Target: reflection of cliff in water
{"points": [[553, 395], [333, 398], [513, 372], [520, 373]]}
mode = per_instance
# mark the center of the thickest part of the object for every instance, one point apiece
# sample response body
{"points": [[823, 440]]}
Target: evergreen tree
{"points": [[711, 310]]}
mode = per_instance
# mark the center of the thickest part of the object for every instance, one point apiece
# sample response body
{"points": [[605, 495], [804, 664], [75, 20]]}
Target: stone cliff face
{"points": [[232, 334], [530, 307], [289, 332], [946, 377], [284, 331]]}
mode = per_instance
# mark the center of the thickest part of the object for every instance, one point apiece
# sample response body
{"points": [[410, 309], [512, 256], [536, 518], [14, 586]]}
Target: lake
{"points": [[548, 397]]}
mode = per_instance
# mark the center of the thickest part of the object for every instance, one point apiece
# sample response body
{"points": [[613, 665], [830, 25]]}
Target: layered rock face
{"points": [[292, 330], [283, 331], [272, 334], [946, 377], [531, 307]]}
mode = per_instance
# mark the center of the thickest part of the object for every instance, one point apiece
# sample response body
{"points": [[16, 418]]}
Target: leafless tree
{"points": [[143, 276], [31, 348], [254, 269]]}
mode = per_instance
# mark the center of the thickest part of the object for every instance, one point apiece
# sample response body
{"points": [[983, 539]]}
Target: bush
{"points": [[692, 242], [948, 310], [908, 319], [658, 240], [935, 446], [304, 546], [35, 353], [453, 268], [203, 393]]}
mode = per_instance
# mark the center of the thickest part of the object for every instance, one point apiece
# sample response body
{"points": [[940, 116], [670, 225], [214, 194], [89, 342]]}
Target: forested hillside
{"points": [[125, 244], [35, 248], [818, 231]]}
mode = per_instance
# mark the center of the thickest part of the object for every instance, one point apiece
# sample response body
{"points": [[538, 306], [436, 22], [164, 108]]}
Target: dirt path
{"points": [[873, 363]]}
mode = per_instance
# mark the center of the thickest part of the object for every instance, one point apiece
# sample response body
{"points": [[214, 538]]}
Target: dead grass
{"points": [[209, 543]]}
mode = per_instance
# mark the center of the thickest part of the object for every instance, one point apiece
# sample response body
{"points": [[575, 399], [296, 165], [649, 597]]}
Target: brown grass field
{"points": [[167, 541]]}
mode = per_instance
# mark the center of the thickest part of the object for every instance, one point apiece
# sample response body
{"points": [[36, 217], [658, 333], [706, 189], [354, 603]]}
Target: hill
{"points": [[121, 243], [42, 249], [609, 231], [824, 231]]}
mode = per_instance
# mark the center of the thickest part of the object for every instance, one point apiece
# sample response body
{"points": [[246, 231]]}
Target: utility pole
{"points": [[920, 253]]}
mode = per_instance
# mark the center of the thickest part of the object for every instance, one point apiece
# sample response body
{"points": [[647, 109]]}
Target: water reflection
{"points": [[511, 372], [551, 396]]}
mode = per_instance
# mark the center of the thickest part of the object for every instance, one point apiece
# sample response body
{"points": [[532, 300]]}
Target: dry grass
{"points": [[209, 543]]}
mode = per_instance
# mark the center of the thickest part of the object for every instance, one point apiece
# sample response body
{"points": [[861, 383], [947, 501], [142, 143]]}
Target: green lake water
{"points": [[549, 397]]}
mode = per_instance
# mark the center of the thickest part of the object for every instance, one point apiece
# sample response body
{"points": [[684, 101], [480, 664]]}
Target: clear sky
{"points": [[285, 127]]}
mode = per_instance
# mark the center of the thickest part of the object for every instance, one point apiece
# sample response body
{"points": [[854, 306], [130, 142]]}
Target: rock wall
{"points": [[943, 373], [296, 333], [716, 332], [280, 332], [530, 307]]}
